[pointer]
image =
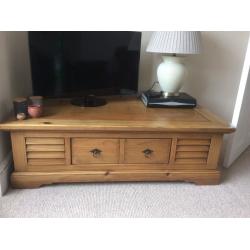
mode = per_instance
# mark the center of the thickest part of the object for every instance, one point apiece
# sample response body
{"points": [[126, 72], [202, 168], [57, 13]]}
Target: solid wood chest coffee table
{"points": [[121, 141]]}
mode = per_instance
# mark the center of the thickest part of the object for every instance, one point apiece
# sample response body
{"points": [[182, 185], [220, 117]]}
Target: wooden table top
{"points": [[120, 114]]}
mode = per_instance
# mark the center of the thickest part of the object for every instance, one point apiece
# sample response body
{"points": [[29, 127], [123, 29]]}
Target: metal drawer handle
{"points": [[147, 152], [95, 152]]}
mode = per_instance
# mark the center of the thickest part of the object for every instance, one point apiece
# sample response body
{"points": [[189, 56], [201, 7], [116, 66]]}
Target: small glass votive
{"points": [[20, 107], [35, 111], [36, 100]]}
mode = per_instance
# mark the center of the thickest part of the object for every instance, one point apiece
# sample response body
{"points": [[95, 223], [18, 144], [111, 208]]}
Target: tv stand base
{"points": [[121, 141], [37, 179]]}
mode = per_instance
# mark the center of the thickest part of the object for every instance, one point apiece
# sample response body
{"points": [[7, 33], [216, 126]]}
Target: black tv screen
{"points": [[76, 63]]}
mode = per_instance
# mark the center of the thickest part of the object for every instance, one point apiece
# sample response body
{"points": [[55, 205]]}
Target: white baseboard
{"points": [[5, 168]]}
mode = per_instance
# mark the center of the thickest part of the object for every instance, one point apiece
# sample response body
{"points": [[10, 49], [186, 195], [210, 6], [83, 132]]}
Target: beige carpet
{"points": [[230, 199]]}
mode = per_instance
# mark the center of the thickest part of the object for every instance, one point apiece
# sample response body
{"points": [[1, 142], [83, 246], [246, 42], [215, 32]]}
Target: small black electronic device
{"points": [[157, 100]]}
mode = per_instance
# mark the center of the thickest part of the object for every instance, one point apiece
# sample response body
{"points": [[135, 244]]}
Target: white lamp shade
{"points": [[175, 42]]}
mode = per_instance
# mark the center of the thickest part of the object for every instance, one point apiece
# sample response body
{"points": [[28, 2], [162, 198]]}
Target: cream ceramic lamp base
{"points": [[170, 75]]}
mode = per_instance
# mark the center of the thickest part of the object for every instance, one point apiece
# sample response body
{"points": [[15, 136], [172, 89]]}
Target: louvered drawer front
{"points": [[45, 151], [192, 151]]}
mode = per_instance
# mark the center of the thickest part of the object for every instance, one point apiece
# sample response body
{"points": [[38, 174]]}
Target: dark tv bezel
{"points": [[98, 91]]}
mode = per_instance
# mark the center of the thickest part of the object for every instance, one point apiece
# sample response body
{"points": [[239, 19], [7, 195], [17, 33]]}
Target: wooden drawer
{"points": [[147, 150], [95, 150]]}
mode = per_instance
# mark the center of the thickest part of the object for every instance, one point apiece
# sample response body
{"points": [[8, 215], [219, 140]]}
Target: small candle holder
{"points": [[35, 111], [36, 100], [20, 108]]}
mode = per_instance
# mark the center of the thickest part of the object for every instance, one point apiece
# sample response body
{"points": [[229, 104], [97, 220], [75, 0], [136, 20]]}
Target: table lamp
{"points": [[173, 45]]}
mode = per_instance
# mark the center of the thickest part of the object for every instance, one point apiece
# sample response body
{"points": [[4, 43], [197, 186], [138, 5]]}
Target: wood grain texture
{"points": [[134, 150], [19, 151], [120, 114], [42, 163], [184, 144], [192, 161], [45, 141], [214, 152], [192, 148], [68, 151], [44, 147], [37, 179], [193, 142], [61, 165], [81, 151], [122, 151], [47, 155], [114, 134], [193, 154]]}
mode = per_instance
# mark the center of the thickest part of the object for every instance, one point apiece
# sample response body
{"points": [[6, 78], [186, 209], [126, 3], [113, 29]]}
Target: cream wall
{"points": [[15, 78], [216, 82], [213, 76], [240, 140], [146, 73]]}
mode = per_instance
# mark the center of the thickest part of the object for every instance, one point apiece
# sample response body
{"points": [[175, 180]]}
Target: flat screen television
{"points": [[79, 63]]}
